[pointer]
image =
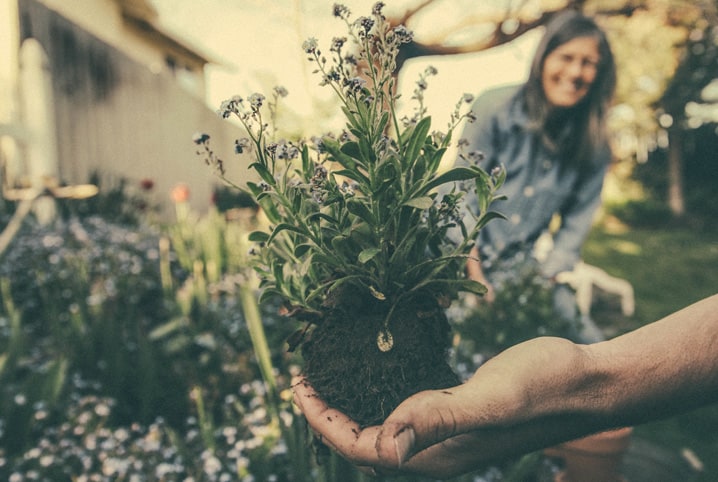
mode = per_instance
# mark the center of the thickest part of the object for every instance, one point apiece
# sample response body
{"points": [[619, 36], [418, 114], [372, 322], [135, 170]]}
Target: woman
{"points": [[550, 136]]}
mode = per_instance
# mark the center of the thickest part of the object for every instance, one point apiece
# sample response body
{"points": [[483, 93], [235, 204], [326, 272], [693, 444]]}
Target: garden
{"points": [[133, 351], [137, 348]]}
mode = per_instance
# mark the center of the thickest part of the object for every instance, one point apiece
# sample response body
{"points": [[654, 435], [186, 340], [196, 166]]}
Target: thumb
{"points": [[425, 419]]}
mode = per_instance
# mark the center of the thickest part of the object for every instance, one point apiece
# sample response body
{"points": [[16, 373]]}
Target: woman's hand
{"points": [[476, 273]]}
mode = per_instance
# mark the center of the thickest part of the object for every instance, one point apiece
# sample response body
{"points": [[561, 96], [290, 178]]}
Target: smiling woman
{"points": [[569, 71], [550, 135]]}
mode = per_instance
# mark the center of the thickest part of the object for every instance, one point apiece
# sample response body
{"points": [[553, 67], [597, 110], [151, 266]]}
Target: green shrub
{"points": [[85, 300], [523, 309]]}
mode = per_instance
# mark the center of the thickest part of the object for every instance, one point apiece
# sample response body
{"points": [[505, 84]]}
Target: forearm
{"points": [[664, 368], [659, 370], [549, 390]]}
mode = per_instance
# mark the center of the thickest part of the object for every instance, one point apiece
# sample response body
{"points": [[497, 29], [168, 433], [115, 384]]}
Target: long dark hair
{"points": [[586, 120]]}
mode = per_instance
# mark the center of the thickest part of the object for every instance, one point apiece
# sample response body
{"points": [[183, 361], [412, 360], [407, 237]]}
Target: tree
{"points": [[686, 102]]}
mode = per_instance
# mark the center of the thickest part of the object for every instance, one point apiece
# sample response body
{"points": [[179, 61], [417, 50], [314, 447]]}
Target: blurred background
{"points": [[131, 342]]}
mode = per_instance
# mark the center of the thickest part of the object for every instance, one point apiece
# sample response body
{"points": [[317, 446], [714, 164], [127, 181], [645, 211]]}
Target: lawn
{"points": [[669, 269]]}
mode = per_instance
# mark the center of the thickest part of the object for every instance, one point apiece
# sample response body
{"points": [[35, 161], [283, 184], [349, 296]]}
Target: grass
{"points": [[669, 269]]}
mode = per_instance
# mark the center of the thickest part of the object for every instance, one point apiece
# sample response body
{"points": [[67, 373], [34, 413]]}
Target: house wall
{"points": [[104, 20], [117, 117]]}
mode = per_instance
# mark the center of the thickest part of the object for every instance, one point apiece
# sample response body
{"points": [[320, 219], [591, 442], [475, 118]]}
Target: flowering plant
{"points": [[360, 208], [360, 220]]}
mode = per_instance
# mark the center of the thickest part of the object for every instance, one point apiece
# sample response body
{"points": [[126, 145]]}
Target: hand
{"points": [[496, 415], [534, 395], [476, 273]]}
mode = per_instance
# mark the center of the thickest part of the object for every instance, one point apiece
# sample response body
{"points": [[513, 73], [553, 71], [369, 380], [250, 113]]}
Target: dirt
{"points": [[346, 367]]}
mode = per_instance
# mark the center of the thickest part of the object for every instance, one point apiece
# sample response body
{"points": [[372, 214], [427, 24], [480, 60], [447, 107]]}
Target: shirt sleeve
{"points": [[577, 217], [483, 136]]}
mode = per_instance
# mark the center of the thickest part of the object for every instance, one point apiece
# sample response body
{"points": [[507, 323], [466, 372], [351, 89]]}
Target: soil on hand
{"points": [[348, 370]]}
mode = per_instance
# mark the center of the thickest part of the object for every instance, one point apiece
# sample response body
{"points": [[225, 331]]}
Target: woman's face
{"points": [[569, 71]]}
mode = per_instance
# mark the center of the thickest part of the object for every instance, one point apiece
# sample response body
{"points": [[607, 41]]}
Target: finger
{"points": [[337, 430], [421, 421]]}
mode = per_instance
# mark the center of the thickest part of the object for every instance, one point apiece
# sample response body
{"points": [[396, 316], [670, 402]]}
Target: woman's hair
{"points": [[587, 120]]}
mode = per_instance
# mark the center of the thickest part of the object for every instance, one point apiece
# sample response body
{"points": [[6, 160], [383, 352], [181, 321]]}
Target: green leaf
{"points": [[354, 175], [269, 208], [306, 161], [263, 173], [168, 328], [466, 285], [424, 202], [327, 260], [254, 188], [367, 153], [334, 149], [286, 227], [329, 219], [359, 209], [341, 245], [259, 237], [486, 217], [417, 140], [351, 117], [368, 254], [453, 175], [385, 176], [383, 122], [435, 158], [351, 148], [297, 198], [301, 249], [469, 285], [277, 273], [268, 293]]}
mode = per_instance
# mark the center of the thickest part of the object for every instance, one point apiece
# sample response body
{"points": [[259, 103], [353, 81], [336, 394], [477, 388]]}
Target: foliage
{"points": [[119, 201], [640, 213], [226, 199], [227, 432], [94, 309], [110, 370], [359, 209], [523, 309], [87, 446]]}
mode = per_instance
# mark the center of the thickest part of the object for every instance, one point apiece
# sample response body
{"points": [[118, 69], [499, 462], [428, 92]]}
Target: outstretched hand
{"points": [[386, 449], [443, 433], [533, 395]]}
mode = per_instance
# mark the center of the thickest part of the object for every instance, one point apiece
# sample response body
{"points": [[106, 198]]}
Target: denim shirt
{"points": [[536, 188]]}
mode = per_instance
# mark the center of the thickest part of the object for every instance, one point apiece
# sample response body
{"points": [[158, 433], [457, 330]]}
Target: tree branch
{"points": [[498, 36]]}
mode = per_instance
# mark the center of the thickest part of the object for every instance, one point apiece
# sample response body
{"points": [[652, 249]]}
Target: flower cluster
{"points": [[210, 158], [89, 320], [361, 208], [85, 446]]}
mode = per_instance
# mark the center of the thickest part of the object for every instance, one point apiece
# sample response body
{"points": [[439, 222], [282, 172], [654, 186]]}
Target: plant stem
{"points": [[253, 318]]}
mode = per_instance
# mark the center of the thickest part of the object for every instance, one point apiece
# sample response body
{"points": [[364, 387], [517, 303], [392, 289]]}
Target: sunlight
{"points": [[260, 44]]}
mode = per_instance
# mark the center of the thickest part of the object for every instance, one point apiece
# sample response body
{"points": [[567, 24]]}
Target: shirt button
{"points": [[515, 219], [529, 191], [547, 164]]}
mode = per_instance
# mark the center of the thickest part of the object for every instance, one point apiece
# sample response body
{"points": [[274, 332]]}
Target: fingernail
{"points": [[403, 443]]}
